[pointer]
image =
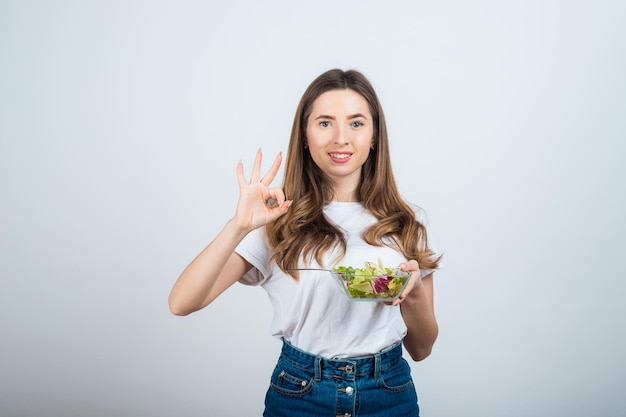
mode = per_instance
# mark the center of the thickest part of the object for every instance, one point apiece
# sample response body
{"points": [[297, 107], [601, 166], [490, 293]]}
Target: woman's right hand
{"points": [[258, 204]]}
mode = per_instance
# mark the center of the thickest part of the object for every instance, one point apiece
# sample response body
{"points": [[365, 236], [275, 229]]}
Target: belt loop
{"points": [[318, 368], [377, 365]]}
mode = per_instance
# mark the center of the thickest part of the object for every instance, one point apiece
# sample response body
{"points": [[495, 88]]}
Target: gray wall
{"points": [[121, 126]]}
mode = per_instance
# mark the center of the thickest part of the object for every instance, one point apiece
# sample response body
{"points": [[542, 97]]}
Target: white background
{"points": [[121, 124]]}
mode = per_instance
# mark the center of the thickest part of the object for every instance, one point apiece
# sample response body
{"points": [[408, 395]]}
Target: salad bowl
{"points": [[372, 283]]}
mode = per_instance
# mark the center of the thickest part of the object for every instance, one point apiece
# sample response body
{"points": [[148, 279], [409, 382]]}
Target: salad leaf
{"points": [[374, 281]]}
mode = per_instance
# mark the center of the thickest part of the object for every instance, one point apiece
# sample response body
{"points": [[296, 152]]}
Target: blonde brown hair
{"points": [[304, 231]]}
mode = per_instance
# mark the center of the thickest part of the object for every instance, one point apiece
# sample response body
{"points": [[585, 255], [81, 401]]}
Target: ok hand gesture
{"points": [[258, 204]]}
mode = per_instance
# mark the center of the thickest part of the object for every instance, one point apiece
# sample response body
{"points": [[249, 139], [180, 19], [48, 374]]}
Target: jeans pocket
{"points": [[397, 378], [290, 380]]}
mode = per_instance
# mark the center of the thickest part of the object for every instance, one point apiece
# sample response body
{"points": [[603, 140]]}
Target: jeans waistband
{"points": [[347, 368]]}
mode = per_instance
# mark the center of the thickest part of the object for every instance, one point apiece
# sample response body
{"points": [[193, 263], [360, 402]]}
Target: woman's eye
{"points": [[357, 124], [324, 124]]}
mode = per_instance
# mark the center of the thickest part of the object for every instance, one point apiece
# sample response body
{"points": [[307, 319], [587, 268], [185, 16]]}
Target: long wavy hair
{"points": [[304, 231]]}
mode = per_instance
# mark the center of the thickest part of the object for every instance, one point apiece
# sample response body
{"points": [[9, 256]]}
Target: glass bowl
{"points": [[368, 287]]}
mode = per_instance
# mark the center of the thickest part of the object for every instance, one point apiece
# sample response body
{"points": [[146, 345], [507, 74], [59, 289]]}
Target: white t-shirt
{"points": [[313, 314]]}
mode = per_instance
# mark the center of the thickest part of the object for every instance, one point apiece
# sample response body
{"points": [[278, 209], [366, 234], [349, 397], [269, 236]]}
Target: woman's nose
{"points": [[341, 136]]}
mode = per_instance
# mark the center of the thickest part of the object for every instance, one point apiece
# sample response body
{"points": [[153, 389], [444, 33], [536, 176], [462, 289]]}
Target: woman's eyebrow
{"points": [[352, 116]]}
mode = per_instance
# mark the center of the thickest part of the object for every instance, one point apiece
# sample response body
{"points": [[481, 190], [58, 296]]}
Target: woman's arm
{"points": [[217, 267], [418, 312]]}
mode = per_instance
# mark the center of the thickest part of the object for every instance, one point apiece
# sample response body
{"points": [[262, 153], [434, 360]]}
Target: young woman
{"points": [[339, 205]]}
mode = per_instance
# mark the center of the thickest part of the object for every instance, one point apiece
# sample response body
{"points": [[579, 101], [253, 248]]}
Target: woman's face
{"points": [[340, 133]]}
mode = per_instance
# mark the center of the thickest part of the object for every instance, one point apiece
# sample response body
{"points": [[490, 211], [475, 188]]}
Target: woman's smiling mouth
{"points": [[340, 156]]}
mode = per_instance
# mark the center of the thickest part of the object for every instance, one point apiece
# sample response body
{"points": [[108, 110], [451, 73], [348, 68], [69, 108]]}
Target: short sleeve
{"points": [[252, 277], [255, 249]]}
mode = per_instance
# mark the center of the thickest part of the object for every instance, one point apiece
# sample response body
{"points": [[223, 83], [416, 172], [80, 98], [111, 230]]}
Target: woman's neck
{"points": [[342, 195]]}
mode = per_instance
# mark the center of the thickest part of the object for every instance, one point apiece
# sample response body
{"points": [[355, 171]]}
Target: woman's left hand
{"points": [[415, 282]]}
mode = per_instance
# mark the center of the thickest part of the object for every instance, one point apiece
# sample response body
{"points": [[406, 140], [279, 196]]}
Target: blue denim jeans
{"points": [[305, 385]]}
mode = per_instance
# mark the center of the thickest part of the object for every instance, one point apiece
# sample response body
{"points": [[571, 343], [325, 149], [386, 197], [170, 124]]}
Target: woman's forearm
{"points": [[203, 279], [419, 316]]}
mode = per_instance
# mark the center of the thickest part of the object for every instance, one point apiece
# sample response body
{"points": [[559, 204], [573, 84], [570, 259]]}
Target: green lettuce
{"points": [[374, 281]]}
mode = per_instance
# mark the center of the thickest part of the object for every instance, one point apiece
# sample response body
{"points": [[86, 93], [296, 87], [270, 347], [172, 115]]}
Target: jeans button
{"points": [[349, 390]]}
